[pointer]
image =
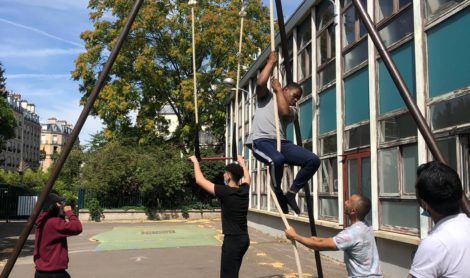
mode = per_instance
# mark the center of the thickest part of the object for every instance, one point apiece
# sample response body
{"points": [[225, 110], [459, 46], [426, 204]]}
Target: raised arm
{"points": [[262, 81], [316, 243], [246, 173], [282, 104], [200, 179], [69, 228]]}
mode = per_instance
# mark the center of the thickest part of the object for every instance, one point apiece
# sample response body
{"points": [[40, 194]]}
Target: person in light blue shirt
{"points": [[357, 241]]}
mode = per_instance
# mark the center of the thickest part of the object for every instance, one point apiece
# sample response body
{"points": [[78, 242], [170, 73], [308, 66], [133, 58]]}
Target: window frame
{"points": [[303, 47], [400, 196], [331, 193], [330, 57]]}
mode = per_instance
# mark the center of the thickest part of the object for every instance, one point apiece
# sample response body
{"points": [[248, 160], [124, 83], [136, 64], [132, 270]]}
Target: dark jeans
{"points": [[51, 274], [233, 250], [265, 151]]}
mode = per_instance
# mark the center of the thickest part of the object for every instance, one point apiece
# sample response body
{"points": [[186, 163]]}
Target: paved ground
{"points": [[164, 249]]}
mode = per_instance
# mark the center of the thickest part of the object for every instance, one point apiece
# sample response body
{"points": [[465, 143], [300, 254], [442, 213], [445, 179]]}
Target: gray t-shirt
{"points": [[360, 252], [264, 125]]}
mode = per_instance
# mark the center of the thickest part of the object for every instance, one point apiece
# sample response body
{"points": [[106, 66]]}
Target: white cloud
{"points": [[45, 52], [35, 30]]}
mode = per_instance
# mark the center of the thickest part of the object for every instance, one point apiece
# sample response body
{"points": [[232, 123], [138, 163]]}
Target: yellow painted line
{"points": [[294, 275], [261, 254], [277, 265]]}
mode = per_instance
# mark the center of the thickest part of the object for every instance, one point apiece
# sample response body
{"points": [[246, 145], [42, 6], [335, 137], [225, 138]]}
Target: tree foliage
{"points": [[159, 173], [7, 115], [154, 67]]}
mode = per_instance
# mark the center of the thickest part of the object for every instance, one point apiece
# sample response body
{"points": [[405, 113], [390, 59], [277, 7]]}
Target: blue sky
{"points": [[39, 42]]}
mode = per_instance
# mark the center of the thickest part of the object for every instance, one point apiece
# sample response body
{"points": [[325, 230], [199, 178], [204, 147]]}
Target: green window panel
{"points": [[290, 132], [448, 55], [328, 110], [389, 97], [356, 97], [305, 119]]}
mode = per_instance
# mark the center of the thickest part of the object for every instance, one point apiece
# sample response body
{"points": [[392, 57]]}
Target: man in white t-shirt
{"points": [[357, 241], [445, 252]]}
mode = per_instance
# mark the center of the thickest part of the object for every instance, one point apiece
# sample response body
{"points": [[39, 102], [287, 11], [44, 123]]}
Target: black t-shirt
{"points": [[234, 203]]}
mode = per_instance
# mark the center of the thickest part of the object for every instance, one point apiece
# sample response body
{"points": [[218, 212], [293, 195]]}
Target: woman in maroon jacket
{"points": [[52, 229]]}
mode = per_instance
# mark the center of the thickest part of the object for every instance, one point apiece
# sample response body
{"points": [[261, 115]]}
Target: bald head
{"points": [[361, 205]]}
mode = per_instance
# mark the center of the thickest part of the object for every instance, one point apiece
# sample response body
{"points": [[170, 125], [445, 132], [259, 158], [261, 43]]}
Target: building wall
{"points": [[353, 117], [22, 151], [54, 136]]}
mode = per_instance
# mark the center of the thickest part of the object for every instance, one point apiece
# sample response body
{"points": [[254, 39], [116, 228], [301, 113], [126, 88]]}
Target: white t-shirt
{"points": [[360, 251], [445, 252]]}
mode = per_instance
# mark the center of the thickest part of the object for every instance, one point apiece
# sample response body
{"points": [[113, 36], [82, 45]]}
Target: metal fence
{"points": [[15, 202]]}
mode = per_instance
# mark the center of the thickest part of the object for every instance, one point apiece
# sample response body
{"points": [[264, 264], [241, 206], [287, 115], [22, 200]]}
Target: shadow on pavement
{"points": [[9, 234]]}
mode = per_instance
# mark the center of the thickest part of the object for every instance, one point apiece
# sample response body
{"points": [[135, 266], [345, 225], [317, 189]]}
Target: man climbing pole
{"points": [[262, 139]]}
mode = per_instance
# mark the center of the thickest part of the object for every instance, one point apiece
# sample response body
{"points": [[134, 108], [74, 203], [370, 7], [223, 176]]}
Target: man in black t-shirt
{"points": [[233, 197]]}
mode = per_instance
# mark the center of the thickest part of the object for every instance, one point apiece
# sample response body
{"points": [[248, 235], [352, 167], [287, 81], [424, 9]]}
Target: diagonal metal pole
{"points": [[73, 136], [404, 92], [308, 196]]}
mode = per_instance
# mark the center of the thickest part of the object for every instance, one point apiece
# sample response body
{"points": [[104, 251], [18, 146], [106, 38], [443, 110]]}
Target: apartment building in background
{"points": [[22, 151], [54, 136]]}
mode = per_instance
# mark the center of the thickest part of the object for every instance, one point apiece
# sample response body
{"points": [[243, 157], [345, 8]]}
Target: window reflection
{"points": [[398, 28]]}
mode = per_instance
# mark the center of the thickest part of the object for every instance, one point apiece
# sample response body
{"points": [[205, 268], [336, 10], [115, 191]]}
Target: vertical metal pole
{"points": [[237, 85], [197, 150], [298, 137], [278, 147], [404, 92], [73, 136]]}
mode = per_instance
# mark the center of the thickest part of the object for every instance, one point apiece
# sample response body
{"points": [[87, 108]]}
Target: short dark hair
{"points": [[294, 86], [235, 170], [440, 186], [362, 206]]}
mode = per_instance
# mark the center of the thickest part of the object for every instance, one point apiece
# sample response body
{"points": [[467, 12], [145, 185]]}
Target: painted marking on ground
{"points": [[277, 265], [166, 236], [295, 275], [261, 254]]}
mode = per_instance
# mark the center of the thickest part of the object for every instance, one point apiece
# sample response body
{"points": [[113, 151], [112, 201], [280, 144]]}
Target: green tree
{"points": [[70, 173], [7, 115], [154, 68]]}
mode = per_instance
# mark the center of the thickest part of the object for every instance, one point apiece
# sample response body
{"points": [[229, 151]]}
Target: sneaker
{"points": [[282, 201], [290, 197]]}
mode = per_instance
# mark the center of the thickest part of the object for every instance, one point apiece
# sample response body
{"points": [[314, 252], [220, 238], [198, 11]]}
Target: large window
{"points": [[448, 56], [254, 189], [353, 37], [397, 127], [456, 152], [328, 189], [263, 183], [357, 137], [389, 97], [325, 43], [399, 210], [435, 8], [395, 19], [304, 43], [450, 113]]}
